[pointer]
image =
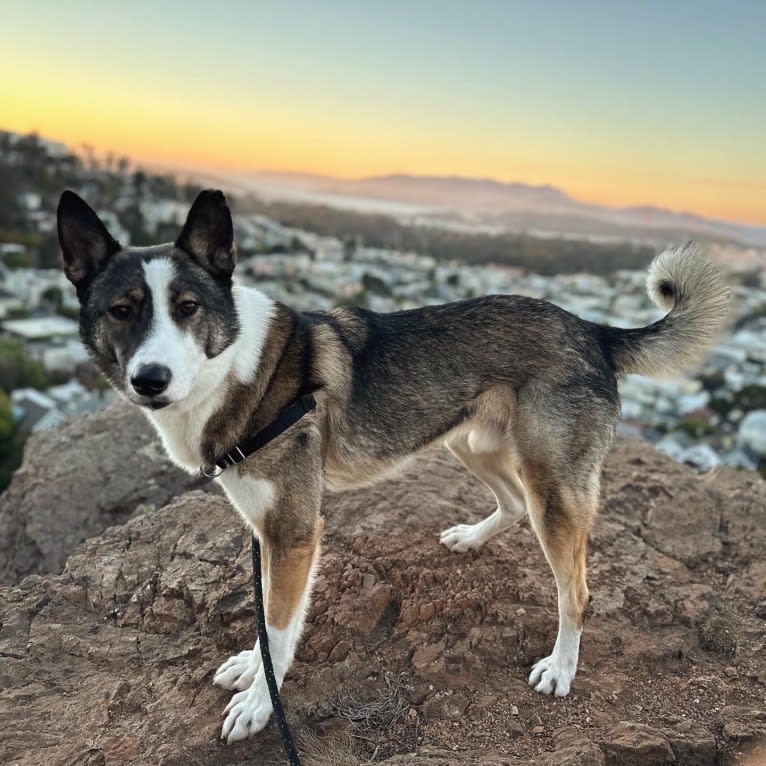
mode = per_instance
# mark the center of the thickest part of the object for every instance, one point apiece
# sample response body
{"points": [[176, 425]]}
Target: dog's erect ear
{"points": [[208, 235], [85, 242]]}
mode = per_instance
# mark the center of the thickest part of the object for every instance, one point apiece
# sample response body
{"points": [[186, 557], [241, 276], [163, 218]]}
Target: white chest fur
{"points": [[181, 425]]}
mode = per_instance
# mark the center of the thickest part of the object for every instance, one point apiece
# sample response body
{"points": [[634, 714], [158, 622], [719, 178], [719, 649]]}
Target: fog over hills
{"points": [[486, 203]]}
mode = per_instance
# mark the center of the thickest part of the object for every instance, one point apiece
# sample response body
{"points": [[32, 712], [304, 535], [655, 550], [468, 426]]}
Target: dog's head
{"points": [[151, 317]]}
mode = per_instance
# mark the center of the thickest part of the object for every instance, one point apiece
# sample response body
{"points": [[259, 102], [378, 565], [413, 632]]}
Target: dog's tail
{"points": [[683, 282]]}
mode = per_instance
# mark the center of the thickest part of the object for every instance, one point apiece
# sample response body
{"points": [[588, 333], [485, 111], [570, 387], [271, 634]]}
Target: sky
{"points": [[614, 102]]}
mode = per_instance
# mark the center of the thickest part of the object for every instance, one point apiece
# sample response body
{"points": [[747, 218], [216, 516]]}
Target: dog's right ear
{"points": [[86, 244], [208, 234]]}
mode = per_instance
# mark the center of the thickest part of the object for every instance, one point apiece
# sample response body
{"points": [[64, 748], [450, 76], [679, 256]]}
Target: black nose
{"points": [[151, 379]]}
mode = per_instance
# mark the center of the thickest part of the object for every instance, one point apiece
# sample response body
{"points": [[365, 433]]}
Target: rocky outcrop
{"points": [[413, 655], [76, 480]]}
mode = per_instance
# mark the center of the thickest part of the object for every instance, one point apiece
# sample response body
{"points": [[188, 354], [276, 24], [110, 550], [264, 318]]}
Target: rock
{"points": [[93, 756], [636, 744], [692, 744], [88, 474], [587, 755], [573, 748], [743, 725], [111, 659]]}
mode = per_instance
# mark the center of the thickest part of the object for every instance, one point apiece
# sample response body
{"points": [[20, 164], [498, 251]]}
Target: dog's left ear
{"points": [[208, 235]]}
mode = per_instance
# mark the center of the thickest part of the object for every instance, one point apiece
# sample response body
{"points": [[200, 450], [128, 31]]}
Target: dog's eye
{"points": [[187, 308], [120, 311]]}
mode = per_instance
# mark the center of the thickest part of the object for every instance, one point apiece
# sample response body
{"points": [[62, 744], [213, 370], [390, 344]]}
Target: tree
{"points": [[11, 442], [49, 254], [18, 260], [9, 189], [54, 297], [17, 370]]}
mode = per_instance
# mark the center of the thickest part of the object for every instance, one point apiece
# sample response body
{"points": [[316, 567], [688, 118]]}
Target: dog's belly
{"points": [[361, 470], [347, 465]]}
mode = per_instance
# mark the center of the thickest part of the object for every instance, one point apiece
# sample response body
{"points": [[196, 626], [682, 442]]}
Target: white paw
{"points": [[552, 676], [247, 712], [461, 538], [239, 671]]}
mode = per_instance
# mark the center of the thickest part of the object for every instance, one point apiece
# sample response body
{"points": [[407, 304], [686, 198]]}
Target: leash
{"points": [[237, 455], [268, 667]]}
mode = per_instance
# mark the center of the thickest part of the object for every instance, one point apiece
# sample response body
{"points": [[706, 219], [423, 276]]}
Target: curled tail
{"points": [[683, 282]]}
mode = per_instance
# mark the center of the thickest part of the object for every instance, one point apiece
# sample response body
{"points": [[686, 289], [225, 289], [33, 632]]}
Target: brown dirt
{"points": [[412, 654]]}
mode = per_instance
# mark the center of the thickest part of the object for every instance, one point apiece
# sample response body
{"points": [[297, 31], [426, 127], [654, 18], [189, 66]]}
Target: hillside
{"points": [[413, 656], [515, 207]]}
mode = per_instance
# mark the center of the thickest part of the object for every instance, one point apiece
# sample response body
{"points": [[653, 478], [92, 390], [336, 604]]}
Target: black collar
{"points": [[284, 420]]}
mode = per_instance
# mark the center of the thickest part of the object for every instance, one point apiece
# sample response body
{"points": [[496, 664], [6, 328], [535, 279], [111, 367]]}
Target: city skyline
{"points": [[616, 106]]}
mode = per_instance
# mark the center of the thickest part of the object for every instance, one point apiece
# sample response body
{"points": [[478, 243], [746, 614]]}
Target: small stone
{"points": [[730, 671], [340, 651], [538, 730], [409, 614], [446, 707], [368, 581], [514, 710], [515, 729], [426, 655]]}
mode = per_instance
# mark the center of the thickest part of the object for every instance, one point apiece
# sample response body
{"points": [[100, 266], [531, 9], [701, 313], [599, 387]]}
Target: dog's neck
{"points": [[237, 391]]}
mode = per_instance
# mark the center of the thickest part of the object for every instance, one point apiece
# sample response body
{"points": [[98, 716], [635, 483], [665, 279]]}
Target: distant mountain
{"points": [[484, 202], [480, 194]]}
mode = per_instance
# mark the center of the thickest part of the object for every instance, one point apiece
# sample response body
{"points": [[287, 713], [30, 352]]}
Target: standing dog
{"points": [[521, 391]]}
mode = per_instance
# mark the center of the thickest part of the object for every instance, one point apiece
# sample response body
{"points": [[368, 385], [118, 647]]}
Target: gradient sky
{"points": [[618, 103]]}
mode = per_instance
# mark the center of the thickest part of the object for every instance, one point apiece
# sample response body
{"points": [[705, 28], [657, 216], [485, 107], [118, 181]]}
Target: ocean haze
{"points": [[488, 204]]}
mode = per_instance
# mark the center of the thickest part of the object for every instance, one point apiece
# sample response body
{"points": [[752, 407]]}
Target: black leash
{"points": [[285, 419], [268, 667]]}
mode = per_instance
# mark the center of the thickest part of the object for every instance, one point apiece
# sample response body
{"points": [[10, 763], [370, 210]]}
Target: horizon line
{"points": [[184, 166]]}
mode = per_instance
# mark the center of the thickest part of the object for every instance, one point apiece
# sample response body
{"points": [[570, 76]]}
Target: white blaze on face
{"points": [[167, 344]]}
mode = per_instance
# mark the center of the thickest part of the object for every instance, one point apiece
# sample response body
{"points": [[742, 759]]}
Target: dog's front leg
{"points": [[238, 672], [288, 565]]}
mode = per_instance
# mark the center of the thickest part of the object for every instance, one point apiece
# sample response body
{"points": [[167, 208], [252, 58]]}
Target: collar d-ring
{"points": [[211, 475]]}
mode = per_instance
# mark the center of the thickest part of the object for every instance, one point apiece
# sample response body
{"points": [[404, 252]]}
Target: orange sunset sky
{"points": [[617, 104]]}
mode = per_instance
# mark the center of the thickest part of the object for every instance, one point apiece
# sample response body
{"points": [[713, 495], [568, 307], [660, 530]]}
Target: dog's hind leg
{"points": [[562, 519], [496, 470]]}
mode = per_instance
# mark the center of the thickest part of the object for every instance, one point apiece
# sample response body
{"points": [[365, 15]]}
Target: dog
{"points": [[522, 392]]}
